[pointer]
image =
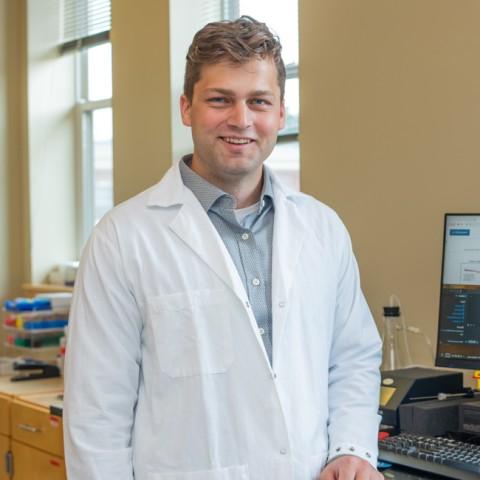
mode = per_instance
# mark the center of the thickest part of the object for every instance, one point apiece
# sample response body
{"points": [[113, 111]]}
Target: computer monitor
{"points": [[458, 343]]}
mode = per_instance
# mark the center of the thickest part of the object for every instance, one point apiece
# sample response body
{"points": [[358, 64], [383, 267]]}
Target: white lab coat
{"points": [[166, 373]]}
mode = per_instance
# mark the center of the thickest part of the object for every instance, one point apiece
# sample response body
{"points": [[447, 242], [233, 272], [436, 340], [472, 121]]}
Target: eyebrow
{"points": [[231, 93]]}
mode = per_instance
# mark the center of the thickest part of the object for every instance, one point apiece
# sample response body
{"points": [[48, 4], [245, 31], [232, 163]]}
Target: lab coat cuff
{"points": [[342, 449]]}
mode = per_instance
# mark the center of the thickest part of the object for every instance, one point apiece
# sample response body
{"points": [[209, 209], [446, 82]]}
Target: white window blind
{"points": [[214, 11], [85, 23]]}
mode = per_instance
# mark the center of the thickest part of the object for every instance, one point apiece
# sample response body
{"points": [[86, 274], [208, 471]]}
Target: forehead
{"points": [[256, 74]]}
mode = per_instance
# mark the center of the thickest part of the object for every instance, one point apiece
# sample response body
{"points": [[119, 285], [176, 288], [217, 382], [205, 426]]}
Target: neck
{"points": [[245, 189], [245, 197]]}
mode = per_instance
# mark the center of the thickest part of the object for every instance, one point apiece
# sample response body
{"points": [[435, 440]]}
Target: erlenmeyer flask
{"points": [[395, 350]]}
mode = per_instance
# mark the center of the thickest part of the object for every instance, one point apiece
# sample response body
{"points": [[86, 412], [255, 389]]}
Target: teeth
{"points": [[238, 141]]}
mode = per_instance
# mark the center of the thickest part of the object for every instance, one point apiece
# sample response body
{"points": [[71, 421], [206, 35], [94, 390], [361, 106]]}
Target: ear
{"points": [[185, 109], [283, 115]]}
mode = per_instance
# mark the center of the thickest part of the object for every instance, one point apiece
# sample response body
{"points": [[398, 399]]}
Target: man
{"points": [[218, 330]]}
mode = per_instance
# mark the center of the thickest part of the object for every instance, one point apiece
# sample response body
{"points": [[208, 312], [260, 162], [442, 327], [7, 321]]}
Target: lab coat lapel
{"points": [[193, 227], [288, 237]]}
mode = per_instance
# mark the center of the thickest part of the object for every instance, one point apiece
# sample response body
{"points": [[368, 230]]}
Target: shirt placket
{"points": [[256, 285]]}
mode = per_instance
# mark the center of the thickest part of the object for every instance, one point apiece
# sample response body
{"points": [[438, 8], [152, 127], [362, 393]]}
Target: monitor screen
{"points": [[458, 344]]}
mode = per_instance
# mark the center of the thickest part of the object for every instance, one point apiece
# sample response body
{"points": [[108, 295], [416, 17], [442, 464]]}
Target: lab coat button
{"points": [[247, 303], [283, 451], [261, 331], [274, 375], [282, 304]]}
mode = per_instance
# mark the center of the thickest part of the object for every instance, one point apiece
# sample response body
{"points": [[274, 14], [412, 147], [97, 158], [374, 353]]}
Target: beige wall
{"points": [[390, 134], [141, 94], [13, 205], [13, 208]]}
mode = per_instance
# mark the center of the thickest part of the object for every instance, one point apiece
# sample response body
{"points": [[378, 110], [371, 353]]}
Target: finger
{"points": [[364, 475], [347, 472], [326, 474]]}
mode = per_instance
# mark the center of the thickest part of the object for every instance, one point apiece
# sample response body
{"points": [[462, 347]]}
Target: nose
{"points": [[240, 116]]}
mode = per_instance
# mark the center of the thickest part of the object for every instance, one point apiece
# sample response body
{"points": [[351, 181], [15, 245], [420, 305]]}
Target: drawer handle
{"points": [[29, 428]]}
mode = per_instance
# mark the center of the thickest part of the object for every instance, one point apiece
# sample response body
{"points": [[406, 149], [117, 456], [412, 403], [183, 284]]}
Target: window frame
{"points": [[84, 110]]}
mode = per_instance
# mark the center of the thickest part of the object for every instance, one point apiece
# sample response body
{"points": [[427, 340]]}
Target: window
{"points": [[95, 130], [282, 17], [85, 30]]}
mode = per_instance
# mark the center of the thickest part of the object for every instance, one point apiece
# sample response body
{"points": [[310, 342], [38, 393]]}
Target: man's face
{"points": [[235, 115]]}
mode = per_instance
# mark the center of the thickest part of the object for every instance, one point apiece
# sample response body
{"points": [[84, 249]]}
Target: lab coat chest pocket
{"points": [[192, 332]]}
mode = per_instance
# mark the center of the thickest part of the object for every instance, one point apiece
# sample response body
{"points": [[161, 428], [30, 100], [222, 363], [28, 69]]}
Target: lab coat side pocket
{"points": [[192, 332]]}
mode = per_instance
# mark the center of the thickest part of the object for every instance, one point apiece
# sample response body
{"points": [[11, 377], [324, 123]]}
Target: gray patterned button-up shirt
{"points": [[247, 239]]}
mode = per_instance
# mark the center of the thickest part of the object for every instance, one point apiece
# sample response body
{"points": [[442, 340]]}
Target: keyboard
{"points": [[440, 455]]}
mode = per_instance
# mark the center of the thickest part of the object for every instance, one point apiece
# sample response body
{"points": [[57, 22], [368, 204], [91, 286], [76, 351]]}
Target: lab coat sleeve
{"points": [[354, 368], [102, 365]]}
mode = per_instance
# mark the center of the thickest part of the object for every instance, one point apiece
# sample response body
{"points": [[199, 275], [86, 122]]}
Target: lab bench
{"points": [[31, 438]]}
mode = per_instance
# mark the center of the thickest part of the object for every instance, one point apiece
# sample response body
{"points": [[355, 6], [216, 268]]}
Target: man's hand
{"points": [[349, 467]]}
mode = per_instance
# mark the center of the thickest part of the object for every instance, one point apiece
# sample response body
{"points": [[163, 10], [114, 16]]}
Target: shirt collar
{"points": [[208, 194]]}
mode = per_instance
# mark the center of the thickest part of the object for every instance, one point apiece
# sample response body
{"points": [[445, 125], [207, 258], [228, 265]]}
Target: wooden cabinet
{"points": [[32, 464], [4, 451], [4, 415], [10, 390], [28, 431], [31, 423], [37, 438]]}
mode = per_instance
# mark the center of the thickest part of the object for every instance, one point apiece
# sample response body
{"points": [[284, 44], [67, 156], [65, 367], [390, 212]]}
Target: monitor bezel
{"points": [[447, 362]]}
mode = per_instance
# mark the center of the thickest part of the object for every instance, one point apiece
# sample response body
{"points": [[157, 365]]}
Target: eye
{"points": [[217, 100], [260, 102]]}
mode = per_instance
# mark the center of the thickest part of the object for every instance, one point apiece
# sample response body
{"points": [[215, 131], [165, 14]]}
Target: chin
{"points": [[241, 168]]}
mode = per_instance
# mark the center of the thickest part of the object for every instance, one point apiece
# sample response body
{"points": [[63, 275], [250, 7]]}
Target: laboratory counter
{"points": [[31, 436]]}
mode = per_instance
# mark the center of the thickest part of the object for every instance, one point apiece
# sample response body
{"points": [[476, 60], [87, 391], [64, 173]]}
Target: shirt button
{"points": [[283, 451], [256, 282], [245, 236], [261, 331]]}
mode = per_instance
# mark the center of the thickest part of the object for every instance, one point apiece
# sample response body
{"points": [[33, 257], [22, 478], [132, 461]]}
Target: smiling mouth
{"points": [[237, 140]]}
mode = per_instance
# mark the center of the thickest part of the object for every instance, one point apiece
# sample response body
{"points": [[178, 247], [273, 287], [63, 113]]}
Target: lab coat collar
{"points": [[171, 191], [193, 227]]}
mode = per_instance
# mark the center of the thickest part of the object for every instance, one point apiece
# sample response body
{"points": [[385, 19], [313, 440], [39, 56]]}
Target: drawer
{"points": [[32, 464], [4, 449], [5, 415], [34, 425]]}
